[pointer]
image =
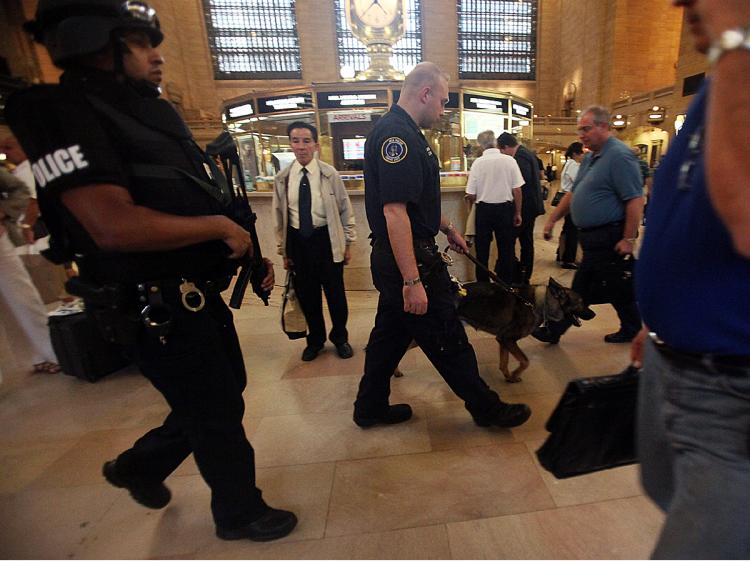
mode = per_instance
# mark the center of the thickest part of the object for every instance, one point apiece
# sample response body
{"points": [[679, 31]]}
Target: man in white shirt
{"points": [[16, 156], [568, 246], [314, 224], [494, 185]]}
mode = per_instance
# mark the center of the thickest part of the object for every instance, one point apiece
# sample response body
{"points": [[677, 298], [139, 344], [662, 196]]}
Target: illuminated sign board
{"points": [[240, 110], [336, 100], [485, 103], [291, 102], [519, 109]]}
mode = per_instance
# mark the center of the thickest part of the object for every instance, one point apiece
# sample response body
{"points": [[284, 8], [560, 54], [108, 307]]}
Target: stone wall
{"points": [[608, 48]]}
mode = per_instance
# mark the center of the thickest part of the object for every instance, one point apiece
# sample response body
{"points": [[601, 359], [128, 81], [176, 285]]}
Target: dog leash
{"points": [[503, 285]]}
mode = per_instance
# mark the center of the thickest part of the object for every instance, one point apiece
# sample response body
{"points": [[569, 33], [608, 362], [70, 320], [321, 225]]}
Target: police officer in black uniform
{"points": [[402, 198], [131, 197]]}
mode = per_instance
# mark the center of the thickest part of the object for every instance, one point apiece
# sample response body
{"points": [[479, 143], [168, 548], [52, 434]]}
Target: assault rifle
{"points": [[253, 268]]}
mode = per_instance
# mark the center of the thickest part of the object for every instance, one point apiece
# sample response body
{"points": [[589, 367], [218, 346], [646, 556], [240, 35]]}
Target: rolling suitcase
{"points": [[80, 348]]}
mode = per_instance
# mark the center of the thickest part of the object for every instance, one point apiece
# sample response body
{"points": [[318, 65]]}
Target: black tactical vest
{"points": [[167, 172]]}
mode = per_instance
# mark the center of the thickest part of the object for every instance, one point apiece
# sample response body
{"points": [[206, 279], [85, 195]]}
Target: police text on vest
{"points": [[58, 163]]}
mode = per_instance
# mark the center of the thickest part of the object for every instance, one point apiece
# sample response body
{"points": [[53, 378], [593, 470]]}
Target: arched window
{"points": [[253, 40], [406, 53], [497, 39]]}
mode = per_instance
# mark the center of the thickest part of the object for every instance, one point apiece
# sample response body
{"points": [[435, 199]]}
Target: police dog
{"points": [[512, 315]]}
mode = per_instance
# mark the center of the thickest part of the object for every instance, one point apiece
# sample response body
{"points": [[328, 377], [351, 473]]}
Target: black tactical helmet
{"points": [[70, 28]]}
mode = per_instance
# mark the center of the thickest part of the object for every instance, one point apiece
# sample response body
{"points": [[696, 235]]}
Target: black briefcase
{"points": [[81, 350], [593, 426]]}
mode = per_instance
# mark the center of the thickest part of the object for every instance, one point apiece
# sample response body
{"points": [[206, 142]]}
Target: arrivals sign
{"points": [[349, 117]]}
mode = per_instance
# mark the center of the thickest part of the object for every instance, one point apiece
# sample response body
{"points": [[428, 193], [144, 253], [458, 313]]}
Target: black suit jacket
{"points": [[533, 204]]}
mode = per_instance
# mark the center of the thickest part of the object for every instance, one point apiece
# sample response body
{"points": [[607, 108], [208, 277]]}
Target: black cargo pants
{"points": [[201, 374], [439, 333]]}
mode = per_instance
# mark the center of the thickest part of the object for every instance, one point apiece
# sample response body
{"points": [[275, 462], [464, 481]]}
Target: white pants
{"points": [[27, 310]]}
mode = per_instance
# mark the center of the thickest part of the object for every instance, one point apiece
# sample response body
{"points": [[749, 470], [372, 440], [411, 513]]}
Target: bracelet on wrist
{"points": [[412, 282], [631, 240]]}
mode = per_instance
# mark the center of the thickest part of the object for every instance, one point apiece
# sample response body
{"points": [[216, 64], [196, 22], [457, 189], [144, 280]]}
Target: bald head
{"points": [[425, 74], [424, 94]]}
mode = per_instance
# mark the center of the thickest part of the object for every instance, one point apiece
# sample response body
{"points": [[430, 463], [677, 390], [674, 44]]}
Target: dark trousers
{"points": [[439, 333], [497, 219], [525, 235], [201, 374], [314, 269], [566, 251], [598, 249]]}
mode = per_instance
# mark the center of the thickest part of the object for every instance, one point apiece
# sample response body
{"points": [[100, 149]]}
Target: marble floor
{"points": [[437, 486]]}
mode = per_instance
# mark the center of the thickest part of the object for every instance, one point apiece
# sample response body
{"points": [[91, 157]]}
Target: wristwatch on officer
{"points": [[412, 282], [734, 39]]}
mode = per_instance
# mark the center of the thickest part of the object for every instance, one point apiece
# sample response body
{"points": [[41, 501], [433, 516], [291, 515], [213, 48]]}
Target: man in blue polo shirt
{"points": [[692, 284], [606, 204]]}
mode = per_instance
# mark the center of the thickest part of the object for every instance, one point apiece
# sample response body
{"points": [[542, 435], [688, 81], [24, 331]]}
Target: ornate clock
{"points": [[379, 24]]}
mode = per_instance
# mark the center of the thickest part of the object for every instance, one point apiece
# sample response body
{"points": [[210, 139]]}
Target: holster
{"points": [[432, 269], [106, 306]]}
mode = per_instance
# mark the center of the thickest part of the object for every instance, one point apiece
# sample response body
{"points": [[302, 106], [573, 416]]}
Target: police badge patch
{"points": [[393, 150]]}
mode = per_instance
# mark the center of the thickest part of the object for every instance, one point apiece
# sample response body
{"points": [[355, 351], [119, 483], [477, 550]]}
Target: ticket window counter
{"points": [[344, 118], [497, 113]]}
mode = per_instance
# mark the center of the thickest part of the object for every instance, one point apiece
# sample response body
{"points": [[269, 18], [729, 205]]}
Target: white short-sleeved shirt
{"points": [[569, 173], [493, 176]]}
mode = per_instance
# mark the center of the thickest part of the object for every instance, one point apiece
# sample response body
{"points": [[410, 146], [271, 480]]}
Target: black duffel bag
{"points": [[593, 426]]}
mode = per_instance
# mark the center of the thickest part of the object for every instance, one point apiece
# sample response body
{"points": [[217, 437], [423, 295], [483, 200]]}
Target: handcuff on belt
{"points": [[157, 316]]}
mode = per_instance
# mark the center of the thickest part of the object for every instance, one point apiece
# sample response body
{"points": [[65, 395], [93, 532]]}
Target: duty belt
{"points": [[156, 314]]}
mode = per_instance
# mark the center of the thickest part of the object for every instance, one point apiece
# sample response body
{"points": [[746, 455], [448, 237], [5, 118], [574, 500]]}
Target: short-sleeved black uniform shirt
{"points": [[70, 143], [400, 167]]}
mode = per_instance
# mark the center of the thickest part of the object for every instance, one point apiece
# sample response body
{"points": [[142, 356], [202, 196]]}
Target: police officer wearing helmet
{"points": [[131, 197], [402, 200]]}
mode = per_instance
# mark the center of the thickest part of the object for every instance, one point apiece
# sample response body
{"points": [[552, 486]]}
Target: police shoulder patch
{"points": [[393, 150]]}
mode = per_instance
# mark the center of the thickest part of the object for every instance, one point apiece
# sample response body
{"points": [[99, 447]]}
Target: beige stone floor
{"points": [[435, 487]]}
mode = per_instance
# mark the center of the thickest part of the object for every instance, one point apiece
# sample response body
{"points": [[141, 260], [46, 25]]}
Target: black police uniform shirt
{"points": [[71, 142], [400, 167]]}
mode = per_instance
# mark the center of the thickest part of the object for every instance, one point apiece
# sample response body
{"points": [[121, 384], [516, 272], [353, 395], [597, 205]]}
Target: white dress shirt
{"points": [[313, 175], [493, 176], [569, 173]]}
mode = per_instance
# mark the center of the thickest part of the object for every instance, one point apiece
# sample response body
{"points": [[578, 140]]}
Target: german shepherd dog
{"points": [[512, 315]]}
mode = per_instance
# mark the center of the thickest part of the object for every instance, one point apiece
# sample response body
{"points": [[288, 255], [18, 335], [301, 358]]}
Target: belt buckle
{"points": [[189, 292]]}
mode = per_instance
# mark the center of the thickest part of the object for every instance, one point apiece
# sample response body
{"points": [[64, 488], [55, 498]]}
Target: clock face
{"points": [[376, 13]]}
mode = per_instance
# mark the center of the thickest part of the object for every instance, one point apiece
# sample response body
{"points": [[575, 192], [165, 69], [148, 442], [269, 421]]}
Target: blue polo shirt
{"points": [[604, 182], [692, 286]]}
